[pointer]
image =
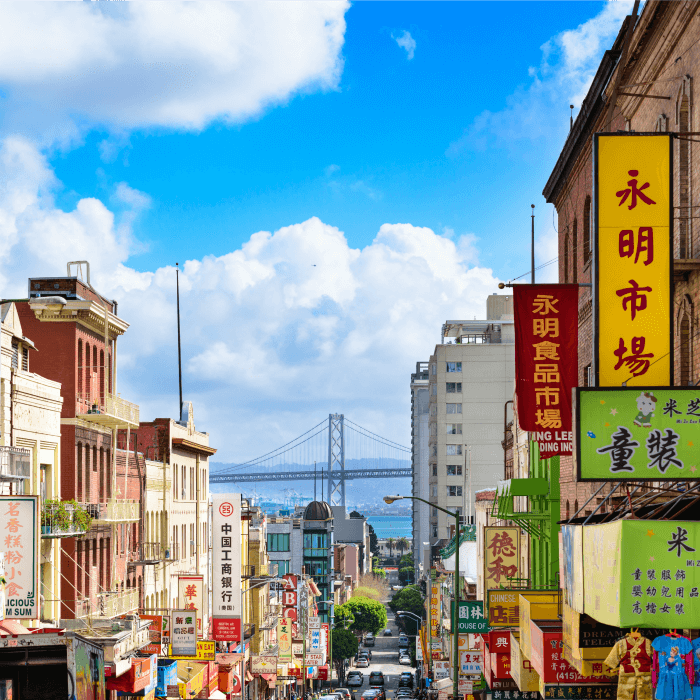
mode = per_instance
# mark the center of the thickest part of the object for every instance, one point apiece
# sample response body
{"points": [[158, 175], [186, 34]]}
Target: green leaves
{"points": [[370, 615]]}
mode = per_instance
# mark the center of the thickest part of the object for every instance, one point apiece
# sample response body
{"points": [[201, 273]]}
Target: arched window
{"points": [[80, 368], [101, 495], [95, 371], [587, 230], [575, 507], [80, 478], [684, 181], [574, 253], [88, 475], [568, 512], [684, 342], [102, 377], [88, 383]]}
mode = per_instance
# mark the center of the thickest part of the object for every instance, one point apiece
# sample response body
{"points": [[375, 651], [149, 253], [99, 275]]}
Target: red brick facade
{"points": [[664, 59]]}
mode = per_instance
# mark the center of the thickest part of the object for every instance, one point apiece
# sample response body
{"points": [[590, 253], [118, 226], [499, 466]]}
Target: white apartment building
{"points": [[420, 486], [176, 530], [472, 373]]}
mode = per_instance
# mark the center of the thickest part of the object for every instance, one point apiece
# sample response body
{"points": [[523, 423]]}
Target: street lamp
{"points": [[455, 632]]}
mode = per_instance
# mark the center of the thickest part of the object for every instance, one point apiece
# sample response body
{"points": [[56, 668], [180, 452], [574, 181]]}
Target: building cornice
{"points": [[88, 314]]}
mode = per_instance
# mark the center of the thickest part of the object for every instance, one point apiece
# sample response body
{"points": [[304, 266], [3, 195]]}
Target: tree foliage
{"points": [[366, 592], [406, 560], [370, 615], [373, 541], [345, 646], [406, 575], [408, 598], [380, 573], [343, 617]]}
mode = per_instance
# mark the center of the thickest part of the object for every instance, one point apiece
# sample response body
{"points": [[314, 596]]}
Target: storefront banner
{"points": [[471, 617], [649, 573], [226, 556], [19, 516], [158, 632], [184, 632], [314, 623], [633, 241], [435, 610], [442, 669], [190, 591], [206, 651], [578, 692], [503, 608], [314, 659], [546, 364], [501, 555], [572, 550], [642, 433], [227, 629], [263, 664], [284, 638], [471, 662]]}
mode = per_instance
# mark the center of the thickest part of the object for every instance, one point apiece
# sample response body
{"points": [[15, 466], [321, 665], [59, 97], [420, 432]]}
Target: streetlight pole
{"points": [[455, 617]]}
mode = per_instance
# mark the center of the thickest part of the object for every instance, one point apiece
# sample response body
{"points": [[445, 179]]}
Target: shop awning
{"points": [[12, 627], [442, 684]]}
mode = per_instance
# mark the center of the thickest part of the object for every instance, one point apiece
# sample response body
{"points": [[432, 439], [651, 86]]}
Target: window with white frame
{"points": [[453, 428], [451, 408], [451, 450], [454, 366], [454, 491], [454, 470], [453, 387]]}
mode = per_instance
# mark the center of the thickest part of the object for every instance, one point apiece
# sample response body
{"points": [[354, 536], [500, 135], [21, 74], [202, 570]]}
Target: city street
{"points": [[385, 658]]}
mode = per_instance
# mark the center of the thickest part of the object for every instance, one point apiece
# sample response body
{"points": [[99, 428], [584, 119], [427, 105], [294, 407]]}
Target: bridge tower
{"points": [[336, 459]]}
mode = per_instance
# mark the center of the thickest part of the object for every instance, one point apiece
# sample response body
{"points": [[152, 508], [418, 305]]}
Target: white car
{"points": [[405, 660], [355, 679], [362, 662]]}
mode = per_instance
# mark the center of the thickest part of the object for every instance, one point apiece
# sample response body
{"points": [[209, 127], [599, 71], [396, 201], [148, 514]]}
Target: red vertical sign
{"points": [[546, 362]]}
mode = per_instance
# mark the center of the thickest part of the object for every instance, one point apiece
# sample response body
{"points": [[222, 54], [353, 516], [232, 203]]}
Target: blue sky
{"points": [[336, 180]]}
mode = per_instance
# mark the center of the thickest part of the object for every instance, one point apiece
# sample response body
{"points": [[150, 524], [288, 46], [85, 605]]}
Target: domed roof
{"points": [[318, 510]]}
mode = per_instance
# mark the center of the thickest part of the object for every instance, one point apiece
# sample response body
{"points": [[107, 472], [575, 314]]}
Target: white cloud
{"points": [[407, 43], [65, 67], [569, 62], [291, 326]]}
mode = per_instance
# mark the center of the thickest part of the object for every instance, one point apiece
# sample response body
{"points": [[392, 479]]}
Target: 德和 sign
{"points": [[639, 433], [633, 246], [501, 555]]}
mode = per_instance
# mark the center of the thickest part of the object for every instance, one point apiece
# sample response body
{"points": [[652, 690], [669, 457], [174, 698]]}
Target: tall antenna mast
{"points": [[179, 346]]}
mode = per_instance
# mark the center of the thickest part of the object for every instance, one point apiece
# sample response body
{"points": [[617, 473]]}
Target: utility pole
{"points": [[179, 346], [532, 252]]}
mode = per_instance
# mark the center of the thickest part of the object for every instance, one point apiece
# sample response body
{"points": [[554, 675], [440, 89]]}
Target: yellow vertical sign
{"points": [[633, 257], [501, 556]]}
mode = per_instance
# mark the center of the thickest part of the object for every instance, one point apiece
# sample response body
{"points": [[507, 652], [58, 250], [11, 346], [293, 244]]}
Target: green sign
{"points": [[646, 434], [643, 573], [471, 616]]}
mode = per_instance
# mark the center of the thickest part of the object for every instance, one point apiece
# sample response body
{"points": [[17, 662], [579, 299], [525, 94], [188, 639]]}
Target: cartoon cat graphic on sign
{"points": [[646, 405]]}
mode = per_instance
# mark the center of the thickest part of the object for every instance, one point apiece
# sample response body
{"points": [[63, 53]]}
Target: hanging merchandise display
{"points": [[696, 669], [673, 667], [634, 655]]}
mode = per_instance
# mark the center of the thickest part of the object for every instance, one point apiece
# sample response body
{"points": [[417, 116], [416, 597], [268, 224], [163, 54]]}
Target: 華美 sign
{"points": [[640, 433], [546, 368], [19, 516], [633, 245]]}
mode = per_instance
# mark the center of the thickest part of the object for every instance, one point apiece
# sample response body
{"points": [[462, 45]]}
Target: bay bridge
{"points": [[334, 451]]}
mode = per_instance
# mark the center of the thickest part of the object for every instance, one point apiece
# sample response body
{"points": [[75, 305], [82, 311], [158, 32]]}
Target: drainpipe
{"points": [[505, 435]]}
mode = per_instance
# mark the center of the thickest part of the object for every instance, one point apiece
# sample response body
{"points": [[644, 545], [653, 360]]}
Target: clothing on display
{"points": [[633, 654], [673, 671], [696, 669]]}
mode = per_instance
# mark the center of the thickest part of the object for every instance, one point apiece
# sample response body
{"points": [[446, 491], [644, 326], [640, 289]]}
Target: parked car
{"points": [[362, 662], [370, 694], [369, 639], [404, 693], [403, 642], [381, 695], [355, 679], [405, 660], [406, 680], [343, 692], [387, 632], [376, 678]]}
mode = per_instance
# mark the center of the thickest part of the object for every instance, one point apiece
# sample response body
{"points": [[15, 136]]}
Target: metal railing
{"points": [[60, 519], [115, 511], [113, 603], [110, 405], [146, 551]]}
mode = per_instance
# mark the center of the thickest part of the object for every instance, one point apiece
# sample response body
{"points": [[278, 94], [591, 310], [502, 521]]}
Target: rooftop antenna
{"points": [[179, 346], [533, 244]]}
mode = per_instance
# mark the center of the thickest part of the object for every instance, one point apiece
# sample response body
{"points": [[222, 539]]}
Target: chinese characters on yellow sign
{"points": [[501, 555], [633, 239]]}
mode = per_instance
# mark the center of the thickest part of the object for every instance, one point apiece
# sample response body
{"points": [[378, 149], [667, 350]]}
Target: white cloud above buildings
{"points": [[294, 323], [68, 67], [406, 42]]}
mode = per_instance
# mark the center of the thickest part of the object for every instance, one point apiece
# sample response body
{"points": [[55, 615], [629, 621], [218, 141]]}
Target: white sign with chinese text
{"points": [[442, 669], [315, 636], [226, 555], [184, 632], [314, 623], [471, 663], [190, 596], [19, 518]]}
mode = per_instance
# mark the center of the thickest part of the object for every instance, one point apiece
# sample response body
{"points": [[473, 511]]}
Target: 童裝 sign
{"points": [[633, 245], [638, 433]]}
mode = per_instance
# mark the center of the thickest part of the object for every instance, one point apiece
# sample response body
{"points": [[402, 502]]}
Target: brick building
{"points": [[75, 330], [663, 60]]}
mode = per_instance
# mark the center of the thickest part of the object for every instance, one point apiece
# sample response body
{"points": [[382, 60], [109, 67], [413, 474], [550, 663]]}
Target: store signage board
{"points": [[633, 241], [206, 651], [284, 638], [226, 556], [20, 518], [190, 590], [546, 351], [184, 632], [641, 573], [501, 555], [471, 617], [227, 629], [638, 434]]}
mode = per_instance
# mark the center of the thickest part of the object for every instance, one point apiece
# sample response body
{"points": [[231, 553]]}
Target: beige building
{"points": [[30, 439], [472, 374], [175, 527]]}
